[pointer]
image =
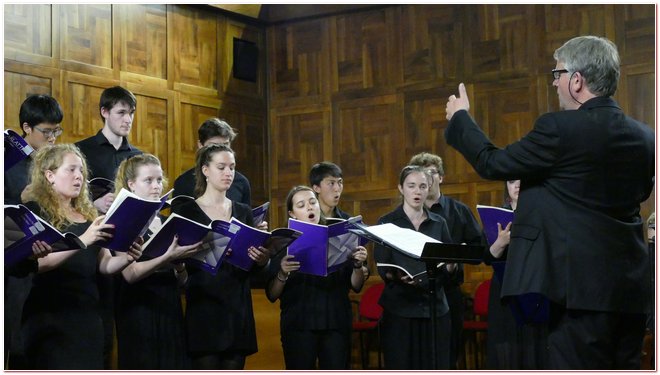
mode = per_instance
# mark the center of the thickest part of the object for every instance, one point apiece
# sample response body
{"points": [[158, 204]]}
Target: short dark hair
{"points": [[214, 127], [38, 109], [322, 170], [113, 95]]}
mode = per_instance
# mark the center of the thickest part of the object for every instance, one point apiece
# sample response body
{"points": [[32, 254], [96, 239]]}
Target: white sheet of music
{"points": [[403, 239]]}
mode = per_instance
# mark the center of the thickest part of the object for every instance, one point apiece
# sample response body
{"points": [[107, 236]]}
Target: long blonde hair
{"points": [[129, 167], [50, 158]]}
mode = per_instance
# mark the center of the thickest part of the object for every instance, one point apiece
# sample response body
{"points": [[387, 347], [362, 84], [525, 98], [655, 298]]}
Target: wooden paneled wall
{"points": [[177, 60], [367, 90]]}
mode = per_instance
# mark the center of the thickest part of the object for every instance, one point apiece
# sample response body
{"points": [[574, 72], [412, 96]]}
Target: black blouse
{"points": [[406, 300], [310, 302], [73, 283]]}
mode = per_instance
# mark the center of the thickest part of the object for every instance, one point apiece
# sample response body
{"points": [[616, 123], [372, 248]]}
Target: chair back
{"points": [[480, 306], [369, 307]]}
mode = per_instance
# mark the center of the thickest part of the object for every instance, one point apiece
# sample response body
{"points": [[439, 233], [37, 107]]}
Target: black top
{"points": [[406, 300], [219, 312], [102, 158], [16, 179], [310, 302], [338, 213], [73, 283], [239, 191]]}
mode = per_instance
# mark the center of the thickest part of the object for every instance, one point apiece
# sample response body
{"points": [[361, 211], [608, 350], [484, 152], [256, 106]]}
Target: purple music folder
{"points": [[490, 216], [131, 216], [23, 228], [310, 249], [324, 249], [246, 237], [16, 148]]}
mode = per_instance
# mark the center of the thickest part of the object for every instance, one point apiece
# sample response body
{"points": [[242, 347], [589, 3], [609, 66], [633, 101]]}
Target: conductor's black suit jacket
{"points": [[577, 236]]}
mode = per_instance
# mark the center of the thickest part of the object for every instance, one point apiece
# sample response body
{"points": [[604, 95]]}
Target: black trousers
{"points": [[594, 340], [303, 348]]}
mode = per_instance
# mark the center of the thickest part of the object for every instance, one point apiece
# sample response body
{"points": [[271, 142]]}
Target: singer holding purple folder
{"points": [[315, 319], [61, 320], [219, 319], [149, 314]]}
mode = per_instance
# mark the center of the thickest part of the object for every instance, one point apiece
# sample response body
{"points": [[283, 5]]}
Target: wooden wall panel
{"points": [[86, 34], [28, 30], [250, 145], [299, 64], [194, 110], [19, 86], [193, 36], [367, 134], [431, 44], [143, 39], [367, 50]]}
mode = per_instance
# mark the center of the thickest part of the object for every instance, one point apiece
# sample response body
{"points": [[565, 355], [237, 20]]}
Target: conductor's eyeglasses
{"points": [[556, 73]]}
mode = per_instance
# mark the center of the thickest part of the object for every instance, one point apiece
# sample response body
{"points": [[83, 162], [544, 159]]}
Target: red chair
{"points": [[471, 328], [369, 314]]}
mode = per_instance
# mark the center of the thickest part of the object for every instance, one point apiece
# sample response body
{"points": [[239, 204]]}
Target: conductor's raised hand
{"points": [[96, 232], [455, 104]]}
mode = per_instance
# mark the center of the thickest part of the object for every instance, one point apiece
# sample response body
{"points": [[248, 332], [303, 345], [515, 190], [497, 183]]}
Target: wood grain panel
{"points": [[299, 139], [299, 62], [18, 87], [251, 154], [193, 112], [367, 48], [193, 37], [150, 127], [367, 135], [28, 29], [431, 46], [143, 34], [86, 34]]}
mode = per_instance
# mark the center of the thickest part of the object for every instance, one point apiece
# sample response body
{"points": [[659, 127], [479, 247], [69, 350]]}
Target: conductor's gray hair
{"points": [[597, 60]]}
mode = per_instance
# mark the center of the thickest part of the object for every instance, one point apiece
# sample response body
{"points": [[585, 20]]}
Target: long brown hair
{"points": [[50, 158]]}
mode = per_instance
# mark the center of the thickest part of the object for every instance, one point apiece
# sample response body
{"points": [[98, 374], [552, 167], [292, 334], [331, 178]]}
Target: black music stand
{"points": [[434, 253]]}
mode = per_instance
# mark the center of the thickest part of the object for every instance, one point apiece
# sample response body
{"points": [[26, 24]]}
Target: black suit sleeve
{"points": [[535, 153]]}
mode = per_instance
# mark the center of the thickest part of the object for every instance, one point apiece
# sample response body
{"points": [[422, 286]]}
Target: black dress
{"points": [[61, 318], [149, 321], [406, 324], [510, 346], [219, 315], [315, 318]]}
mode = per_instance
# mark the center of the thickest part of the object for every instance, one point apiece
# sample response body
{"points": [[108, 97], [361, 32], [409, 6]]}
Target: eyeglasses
{"points": [[432, 171], [50, 132], [556, 73]]}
